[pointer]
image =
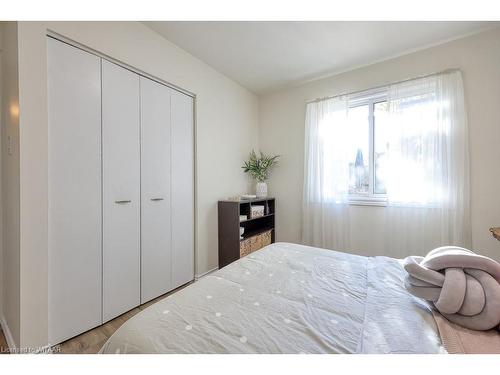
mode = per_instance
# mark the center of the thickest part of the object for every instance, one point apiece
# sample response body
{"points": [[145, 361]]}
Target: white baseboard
{"points": [[197, 277], [7, 333]]}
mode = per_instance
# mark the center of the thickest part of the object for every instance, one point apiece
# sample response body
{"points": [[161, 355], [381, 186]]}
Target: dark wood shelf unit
{"points": [[256, 218], [255, 232], [229, 225]]}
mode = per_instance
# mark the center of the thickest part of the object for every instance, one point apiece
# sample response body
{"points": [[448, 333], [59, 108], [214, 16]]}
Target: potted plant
{"points": [[259, 167]]}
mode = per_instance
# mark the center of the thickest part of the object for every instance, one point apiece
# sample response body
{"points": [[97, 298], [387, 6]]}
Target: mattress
{"points": [[287, 298]]}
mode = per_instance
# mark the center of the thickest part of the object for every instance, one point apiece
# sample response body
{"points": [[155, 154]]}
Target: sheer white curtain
{"points": [[425, 170], [427, 175], [326, 175]]}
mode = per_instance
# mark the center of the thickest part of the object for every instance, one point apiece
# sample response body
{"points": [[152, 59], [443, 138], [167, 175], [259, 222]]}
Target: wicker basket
{"points": [[245, 247], [255, 243], [266, 238]]}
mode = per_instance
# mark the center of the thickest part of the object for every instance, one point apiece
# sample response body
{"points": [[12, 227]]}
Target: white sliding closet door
{"points": [[74, 113], [182, 189], [156, 255], [121, 190]]}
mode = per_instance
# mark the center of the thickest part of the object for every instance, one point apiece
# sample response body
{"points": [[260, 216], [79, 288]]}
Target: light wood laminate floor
{"points": [[90, 342]]}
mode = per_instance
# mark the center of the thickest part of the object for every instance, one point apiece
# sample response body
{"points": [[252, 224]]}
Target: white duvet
{"points": [[287, 298]]}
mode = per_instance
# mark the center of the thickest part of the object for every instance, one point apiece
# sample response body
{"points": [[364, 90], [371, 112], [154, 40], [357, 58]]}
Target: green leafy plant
{"points": [[258, 167]]}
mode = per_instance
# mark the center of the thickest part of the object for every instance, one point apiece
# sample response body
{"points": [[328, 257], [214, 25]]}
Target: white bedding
{"points": [[287, 298]]}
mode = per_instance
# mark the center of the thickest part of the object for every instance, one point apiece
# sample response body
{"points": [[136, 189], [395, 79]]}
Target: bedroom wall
{"points": [[10, 282], [282, 116], [226, 113], [2, 282]]}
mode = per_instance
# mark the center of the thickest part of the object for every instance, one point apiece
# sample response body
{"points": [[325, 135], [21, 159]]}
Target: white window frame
{"points": [[370, 98]]}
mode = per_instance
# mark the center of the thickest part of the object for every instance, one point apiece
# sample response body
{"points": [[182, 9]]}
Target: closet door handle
{"points": [[156, 199], [123, 201]]}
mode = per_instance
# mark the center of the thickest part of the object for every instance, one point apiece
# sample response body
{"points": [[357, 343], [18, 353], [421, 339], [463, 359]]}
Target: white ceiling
{"points": [[263, 56]]}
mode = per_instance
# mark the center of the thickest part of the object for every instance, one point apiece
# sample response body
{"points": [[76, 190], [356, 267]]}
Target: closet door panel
{"points": [[182, 189], [74, 114], [155, 190], [121, 190]]}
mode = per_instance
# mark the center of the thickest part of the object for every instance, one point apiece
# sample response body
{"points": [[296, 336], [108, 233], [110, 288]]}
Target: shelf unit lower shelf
{"points": [[254, 233]]}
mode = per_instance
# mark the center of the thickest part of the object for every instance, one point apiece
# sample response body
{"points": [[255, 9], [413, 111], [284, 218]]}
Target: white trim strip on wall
{"points": [[7, 333], [13, 349]]}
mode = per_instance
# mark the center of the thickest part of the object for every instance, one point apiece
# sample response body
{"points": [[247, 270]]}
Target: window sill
{"points": [[368, 201], [377, 202]]}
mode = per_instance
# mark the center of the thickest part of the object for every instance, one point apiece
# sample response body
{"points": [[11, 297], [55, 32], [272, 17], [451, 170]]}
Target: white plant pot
{"points": [[261, 190]]}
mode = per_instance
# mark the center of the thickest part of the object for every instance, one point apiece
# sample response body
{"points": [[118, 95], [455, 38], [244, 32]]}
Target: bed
{"points": [[287, 298]]}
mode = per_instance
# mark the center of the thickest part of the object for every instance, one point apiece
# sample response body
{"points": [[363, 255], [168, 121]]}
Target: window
{"points": [[404, 146], [359, 154], [369, 132], [381, 145]]}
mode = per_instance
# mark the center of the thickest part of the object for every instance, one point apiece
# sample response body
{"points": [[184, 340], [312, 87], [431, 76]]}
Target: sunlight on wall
{"points": [[14, 111]]}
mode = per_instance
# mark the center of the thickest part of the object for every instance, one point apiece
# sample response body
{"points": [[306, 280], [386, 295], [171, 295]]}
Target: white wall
{"points": [[2, 282], [226, 114], [10, 282], [281, 123]]}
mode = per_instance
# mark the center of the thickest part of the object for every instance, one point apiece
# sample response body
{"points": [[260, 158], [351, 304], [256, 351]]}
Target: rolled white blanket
{"points": [[462, 285]]}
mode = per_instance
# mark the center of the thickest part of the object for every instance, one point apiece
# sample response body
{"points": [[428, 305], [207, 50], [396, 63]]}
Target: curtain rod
{"points": [[450, 70]]}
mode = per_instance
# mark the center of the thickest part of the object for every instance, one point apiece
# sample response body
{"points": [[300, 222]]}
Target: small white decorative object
{"points": [[248, 196], [261, 189], [242, 230], [256, 211], [243, 218]]}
